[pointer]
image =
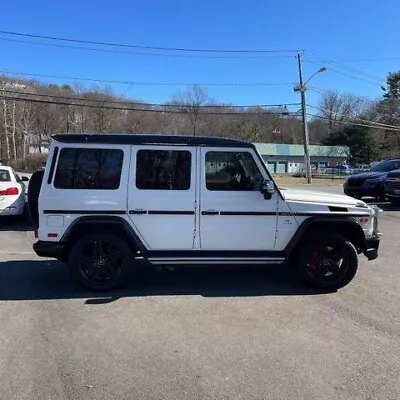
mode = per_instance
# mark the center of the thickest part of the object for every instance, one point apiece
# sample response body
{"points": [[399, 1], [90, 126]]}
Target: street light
{"points": [[302, 89]]}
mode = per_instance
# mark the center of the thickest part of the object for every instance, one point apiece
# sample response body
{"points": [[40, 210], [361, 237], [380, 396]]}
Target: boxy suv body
{"points": [[109, 200]]}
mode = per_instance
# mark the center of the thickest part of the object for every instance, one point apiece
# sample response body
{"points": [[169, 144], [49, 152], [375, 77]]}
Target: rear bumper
{"points": [[49, 249]]}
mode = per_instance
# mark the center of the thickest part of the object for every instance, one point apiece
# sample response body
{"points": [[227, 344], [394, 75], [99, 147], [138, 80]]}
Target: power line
{"points": [[144, 104], [351, 123], [135, 46], [378, 59], [348, 68], [243, 57], [344, 73], [141, 109], [135, 83], [356, 118]]}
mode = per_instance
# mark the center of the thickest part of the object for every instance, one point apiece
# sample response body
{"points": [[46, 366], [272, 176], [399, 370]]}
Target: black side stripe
{"points": [[168, 212], [160, 212], [286, 214], [247, 213], [86, 212]]}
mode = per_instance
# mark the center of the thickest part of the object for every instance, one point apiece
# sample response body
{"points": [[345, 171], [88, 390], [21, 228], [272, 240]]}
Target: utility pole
{"points": [[302, 89]]}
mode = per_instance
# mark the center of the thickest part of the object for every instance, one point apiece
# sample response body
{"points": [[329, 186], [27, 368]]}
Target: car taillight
{"points": [[12, 191]]}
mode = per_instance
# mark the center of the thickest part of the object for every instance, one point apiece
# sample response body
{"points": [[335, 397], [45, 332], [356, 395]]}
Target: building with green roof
{"points": [[289, 158]]}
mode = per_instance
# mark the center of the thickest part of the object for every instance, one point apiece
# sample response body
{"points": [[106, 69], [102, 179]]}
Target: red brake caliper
{"points": [[313, 261]]}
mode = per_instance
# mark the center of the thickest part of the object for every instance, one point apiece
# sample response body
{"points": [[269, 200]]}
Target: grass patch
{"points": [[291, 181]]}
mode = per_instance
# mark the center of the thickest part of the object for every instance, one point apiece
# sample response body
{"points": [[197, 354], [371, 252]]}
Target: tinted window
{"points": [[163, 169], [232, 171], [386, 166], [89, 169], [5, 175]]}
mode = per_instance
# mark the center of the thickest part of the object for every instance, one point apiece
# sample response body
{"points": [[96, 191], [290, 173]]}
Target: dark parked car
{"points": [[392, 186], [372, 183]]}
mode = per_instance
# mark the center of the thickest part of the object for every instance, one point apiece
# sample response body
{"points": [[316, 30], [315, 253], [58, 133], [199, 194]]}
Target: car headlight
{"points": [[367, 224]]}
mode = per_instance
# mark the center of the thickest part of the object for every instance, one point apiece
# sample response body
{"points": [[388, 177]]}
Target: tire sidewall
{"points": [[85, 240], [350, 254]]}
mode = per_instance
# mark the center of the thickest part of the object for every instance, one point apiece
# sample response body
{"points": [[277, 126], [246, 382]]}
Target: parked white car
{"points": [[12, 192]]}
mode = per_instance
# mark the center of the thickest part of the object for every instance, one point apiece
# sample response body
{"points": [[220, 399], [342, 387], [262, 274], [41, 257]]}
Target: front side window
{"points": [[232, 171], [89, 169], [163, 169]]}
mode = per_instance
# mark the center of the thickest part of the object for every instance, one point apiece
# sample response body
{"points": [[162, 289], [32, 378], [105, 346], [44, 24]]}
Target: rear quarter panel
{"points": [[58, 208]]}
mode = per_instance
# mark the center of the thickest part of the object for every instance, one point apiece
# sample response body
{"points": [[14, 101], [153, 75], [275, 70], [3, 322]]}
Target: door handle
{"points": [[138, 211], [210, 212]]}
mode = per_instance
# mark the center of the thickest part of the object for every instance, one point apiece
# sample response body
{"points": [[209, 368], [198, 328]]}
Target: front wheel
{"points": [[100, 261], [328, 261]]}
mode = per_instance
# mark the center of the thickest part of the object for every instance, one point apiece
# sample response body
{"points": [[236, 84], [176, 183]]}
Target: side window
{"points": [[232, 171], [163, 169], [89, 169]]}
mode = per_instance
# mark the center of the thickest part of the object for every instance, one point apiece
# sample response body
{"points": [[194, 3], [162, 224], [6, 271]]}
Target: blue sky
{"points": [[340, 31]]}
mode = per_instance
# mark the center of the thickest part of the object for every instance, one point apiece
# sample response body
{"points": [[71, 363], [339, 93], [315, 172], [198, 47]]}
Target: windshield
{"points": [[386, 166]]}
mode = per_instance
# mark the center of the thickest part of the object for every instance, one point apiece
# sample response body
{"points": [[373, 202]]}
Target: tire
{"points": [[90, 265], [34, 186], [328, 261]]}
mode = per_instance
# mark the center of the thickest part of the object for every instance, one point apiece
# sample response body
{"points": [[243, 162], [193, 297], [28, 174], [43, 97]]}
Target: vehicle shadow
{"points": [[16, 224], [47, 280]]}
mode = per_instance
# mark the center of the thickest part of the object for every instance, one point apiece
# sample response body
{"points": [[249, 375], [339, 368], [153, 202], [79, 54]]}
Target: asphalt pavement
{"points": [[227, 333]]}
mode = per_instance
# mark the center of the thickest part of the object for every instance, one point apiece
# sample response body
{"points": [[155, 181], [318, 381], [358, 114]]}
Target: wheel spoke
{"points": [[87, 261], [115, 255], [98, 249]]}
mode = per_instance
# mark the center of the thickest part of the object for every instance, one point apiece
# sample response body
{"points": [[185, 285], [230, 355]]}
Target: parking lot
{"points": [[226, 333]]}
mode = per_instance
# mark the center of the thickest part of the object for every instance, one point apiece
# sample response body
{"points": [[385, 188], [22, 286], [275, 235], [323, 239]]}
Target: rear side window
{"points": [[5, 175], [163, 169], [89, 169]]}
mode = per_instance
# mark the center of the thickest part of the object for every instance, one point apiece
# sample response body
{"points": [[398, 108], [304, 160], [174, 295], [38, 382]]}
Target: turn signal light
{"points": [[12, 191]]}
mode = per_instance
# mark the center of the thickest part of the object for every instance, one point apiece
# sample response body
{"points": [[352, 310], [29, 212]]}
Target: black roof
{"points": [[132, 139]]}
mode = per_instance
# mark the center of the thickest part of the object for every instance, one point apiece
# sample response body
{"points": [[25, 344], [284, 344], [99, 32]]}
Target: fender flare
{"points": [[105, 220], [312, 222]]}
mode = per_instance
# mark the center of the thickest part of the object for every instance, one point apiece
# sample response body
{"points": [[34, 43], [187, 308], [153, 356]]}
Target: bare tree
{"points": [[190, 102], [337, 107]]}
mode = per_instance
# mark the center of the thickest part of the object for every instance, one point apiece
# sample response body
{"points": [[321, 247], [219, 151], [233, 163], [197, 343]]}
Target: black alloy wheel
{"points": [[100, 261], [328, 261]]}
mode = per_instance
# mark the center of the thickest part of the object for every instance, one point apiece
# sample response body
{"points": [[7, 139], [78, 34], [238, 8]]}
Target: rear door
{"points": [[162, 194]]}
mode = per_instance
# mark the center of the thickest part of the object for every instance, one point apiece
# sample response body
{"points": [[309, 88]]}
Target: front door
{"points": [[161, 199], [233, 213]]}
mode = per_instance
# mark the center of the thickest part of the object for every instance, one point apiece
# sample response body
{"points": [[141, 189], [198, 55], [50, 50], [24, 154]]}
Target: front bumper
{"points": [[371, 244], [49, 249], [371, 247]]}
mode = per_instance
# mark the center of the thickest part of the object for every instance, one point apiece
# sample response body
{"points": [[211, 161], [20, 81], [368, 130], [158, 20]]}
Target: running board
{"points": [[208, 260]]}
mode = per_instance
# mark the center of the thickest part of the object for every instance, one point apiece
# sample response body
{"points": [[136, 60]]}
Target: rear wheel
{"points": [[100, 261], [328, 261]]}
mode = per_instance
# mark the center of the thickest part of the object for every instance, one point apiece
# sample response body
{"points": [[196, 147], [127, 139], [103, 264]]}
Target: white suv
{"points": [[109, 200]]}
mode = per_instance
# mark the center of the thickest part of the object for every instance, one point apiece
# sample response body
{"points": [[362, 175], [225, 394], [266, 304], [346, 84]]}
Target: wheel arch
{"points": [[89, 224], [345, 226]]}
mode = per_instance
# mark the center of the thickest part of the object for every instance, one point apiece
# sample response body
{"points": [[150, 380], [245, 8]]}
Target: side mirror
{"points": [[267, 189], [24, 179]]}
